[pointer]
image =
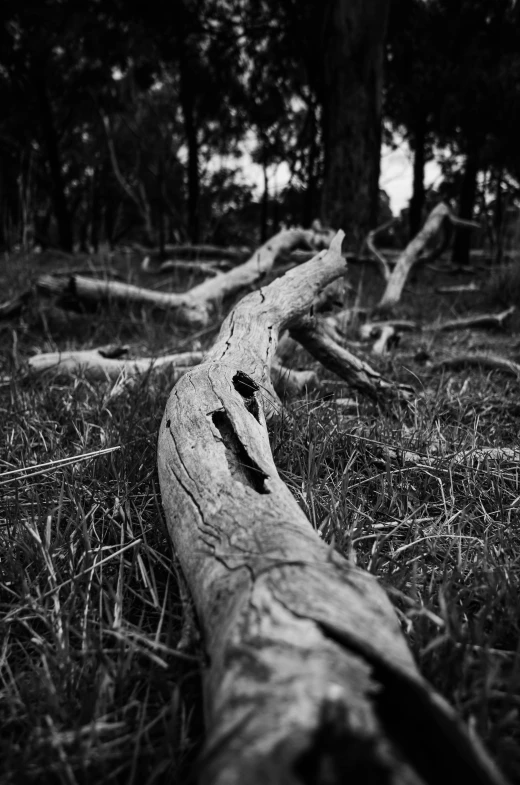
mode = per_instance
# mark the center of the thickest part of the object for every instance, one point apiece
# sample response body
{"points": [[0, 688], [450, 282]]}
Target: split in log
{"points": [[492, 320], [314, 337], [194, 306], [492, 362], [309, 678]]}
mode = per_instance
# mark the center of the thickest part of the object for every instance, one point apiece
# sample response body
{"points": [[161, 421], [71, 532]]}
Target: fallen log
{"points": [[416, 252], [397, 279], [314, 337], [486, 320], [181, 265], [491, 362], [100, 365], [459, 289], [196, 252], [467, 458], [309, 679], [194, 306]]}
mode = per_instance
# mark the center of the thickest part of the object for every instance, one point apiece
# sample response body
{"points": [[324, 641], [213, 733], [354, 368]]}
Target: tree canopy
{"points": [[129, 122]]}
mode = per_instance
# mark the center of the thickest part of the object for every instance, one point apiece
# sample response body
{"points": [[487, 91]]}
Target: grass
{"points": [[99, 665]]}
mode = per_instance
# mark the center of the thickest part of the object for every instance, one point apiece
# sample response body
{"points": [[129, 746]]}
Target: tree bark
{"points": [[309, 679], [351, 94], [419, 160], [461, 245]]}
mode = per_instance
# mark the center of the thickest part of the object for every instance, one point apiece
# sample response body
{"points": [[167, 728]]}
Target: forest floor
{"points": [[94, 686]]}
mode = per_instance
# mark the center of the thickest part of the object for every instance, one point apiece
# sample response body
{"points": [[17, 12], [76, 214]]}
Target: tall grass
{"points": [[100, 665]]}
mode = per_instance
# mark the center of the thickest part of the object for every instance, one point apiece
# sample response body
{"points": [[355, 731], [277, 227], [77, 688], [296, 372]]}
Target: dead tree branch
{"points": [[384, 266], [416, 252], [314, 337], [491, 362], [487, 320], [193, 307], [308, 671]]}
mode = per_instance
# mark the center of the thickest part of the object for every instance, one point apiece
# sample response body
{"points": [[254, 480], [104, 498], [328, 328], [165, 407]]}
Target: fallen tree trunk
{"points": [[415, 252], [96, 365], [194, 306], [492, 362], [180, 265], [409, 257], [359, 374], [196, 252], [459, 289], [309, 679], [486, 320]]}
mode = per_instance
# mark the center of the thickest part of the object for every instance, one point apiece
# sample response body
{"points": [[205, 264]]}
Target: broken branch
{"points": [[308, 671]]}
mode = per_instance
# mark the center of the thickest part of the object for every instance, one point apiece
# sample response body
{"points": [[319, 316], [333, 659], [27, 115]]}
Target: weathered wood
{"points": [[308, 679], [459, 289], [100, 365], [291, 382], [485, 320], [196, 252], [97, 366], [491, 362], [358, 373], [181, 266], [193, 307], [414, 249]]}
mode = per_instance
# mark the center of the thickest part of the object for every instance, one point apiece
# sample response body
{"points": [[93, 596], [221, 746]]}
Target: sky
{"points": [[396, 174]]}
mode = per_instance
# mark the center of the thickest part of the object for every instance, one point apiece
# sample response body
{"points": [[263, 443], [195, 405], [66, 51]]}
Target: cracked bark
{"points": [[309, 678]]}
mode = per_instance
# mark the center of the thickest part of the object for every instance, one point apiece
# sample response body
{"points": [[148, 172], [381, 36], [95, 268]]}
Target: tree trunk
{"points": [[264, 216], [59, 199], [498, 219], [309, 199], [419, 160], [95, 209], [308, 677], [351, 93], [187, 100], [468, 192]]}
